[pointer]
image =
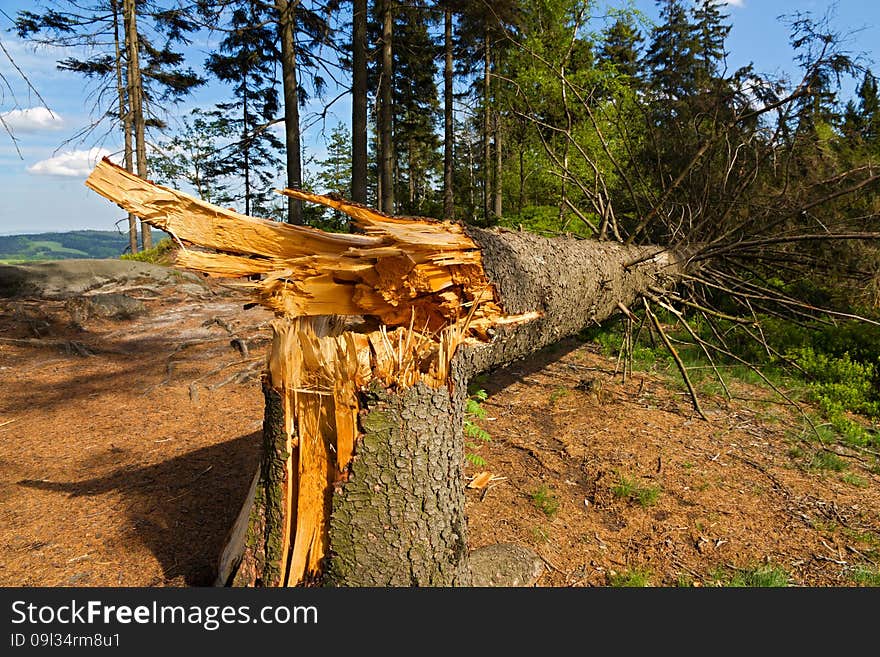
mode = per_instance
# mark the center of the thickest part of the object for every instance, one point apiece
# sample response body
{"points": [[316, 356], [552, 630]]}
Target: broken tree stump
{"points": [[375, 337]]}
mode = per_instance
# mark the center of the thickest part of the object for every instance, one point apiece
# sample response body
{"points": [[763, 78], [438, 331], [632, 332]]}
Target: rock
{"points": [[62, 279], [505, 565]]}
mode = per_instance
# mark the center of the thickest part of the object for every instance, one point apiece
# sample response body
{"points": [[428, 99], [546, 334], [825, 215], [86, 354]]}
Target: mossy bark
{"points": [[399, 520]]}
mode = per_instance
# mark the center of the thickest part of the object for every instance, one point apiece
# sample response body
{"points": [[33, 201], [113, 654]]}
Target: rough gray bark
{"points": [[262, 542], [574, 283], [399, 520]]}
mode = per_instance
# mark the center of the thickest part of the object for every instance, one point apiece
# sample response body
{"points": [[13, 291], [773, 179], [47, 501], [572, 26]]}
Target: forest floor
{"points": [[127, 444]]}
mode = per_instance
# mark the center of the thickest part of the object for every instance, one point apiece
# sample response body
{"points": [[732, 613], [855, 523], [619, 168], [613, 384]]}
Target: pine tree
{"points": [[863, 121], [415, 110], [137, 78], [359, 153], [246, 61], [620, 47], [334, 174], [193, 156], [711, 33], [385, 11], [672, 53], [483, 39]]}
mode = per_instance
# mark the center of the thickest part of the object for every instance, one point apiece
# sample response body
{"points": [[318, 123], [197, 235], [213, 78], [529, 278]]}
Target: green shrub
{"points": [[160, 254]]}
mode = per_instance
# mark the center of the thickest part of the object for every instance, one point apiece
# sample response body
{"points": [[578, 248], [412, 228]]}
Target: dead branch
{"points": [[676, 358]]}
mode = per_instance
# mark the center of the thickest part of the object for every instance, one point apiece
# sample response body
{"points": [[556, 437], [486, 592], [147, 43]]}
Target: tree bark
{"points": [[399, 520], [245, 147], [448, 121], [124, 118], [286, 32], [487, 127], [386, 151], [359, 102], [135, 99], [522, 180], [498, 190], [361, 478]]}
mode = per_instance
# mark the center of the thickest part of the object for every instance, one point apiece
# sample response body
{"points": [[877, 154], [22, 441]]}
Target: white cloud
{"points": [[33, 119], [69, 164], [732, 3]]}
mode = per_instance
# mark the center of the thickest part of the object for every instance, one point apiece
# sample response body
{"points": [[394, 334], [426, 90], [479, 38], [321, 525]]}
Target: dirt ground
{"points": [[127, 445]]}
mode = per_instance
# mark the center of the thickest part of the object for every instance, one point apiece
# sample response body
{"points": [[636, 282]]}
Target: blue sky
{"points": [[42, 189]]}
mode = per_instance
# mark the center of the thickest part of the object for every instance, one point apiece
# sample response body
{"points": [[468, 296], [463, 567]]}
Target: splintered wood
{"points": [[421, 280], [399, 270]]}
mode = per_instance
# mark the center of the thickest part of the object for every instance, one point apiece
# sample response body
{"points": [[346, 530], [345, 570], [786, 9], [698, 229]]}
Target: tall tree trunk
{"points": [[386, 161], [135, 100], [411, 176], [393, 398], [499, 188], [563, 191], [448, 121], [472, 183], [246, 151], [124, 117], [286, 34], [487, 126], [359, 102], [522, 179]]}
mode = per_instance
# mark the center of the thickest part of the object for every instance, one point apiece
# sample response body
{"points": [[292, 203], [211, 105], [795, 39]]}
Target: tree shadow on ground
{"points": [[181, 509], [495, 380]]}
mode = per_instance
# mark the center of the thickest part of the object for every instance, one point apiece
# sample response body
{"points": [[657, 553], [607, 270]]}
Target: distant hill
{"points": [[64, 246]]}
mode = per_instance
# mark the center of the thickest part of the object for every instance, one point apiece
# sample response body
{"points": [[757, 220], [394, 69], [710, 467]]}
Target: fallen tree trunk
{"points": [[376, 336]]}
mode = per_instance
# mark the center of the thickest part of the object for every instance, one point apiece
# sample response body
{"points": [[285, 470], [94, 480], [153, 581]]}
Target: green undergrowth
{"points": [[628, 488], [545, 500], [160, 254], [475, 436], [761, 576], [545, 220], [631, 577], [834, 369], [865, 576]]}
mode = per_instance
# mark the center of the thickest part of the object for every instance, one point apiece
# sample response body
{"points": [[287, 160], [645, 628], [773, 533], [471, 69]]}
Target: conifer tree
{"points": [[246, 61], [131, 60], [334, 175], [620, 47], [672, 53]]}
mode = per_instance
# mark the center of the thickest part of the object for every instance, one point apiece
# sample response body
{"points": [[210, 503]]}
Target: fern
{"points": [[478, 436], [476, 432]]}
